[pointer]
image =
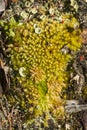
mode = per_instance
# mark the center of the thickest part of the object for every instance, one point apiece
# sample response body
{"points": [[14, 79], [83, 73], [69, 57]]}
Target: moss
{"points": [[37, 47]]}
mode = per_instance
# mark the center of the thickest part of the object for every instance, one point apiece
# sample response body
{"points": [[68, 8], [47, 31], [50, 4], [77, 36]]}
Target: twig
{"points": [[75, 108], [8, 115]]}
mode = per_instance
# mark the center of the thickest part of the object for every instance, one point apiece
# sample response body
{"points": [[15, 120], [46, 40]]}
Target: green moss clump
{"points": [[39, 63]]}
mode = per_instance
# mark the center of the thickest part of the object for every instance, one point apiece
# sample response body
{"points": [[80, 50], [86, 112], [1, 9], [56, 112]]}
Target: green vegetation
{"points": [[39, 64]]}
